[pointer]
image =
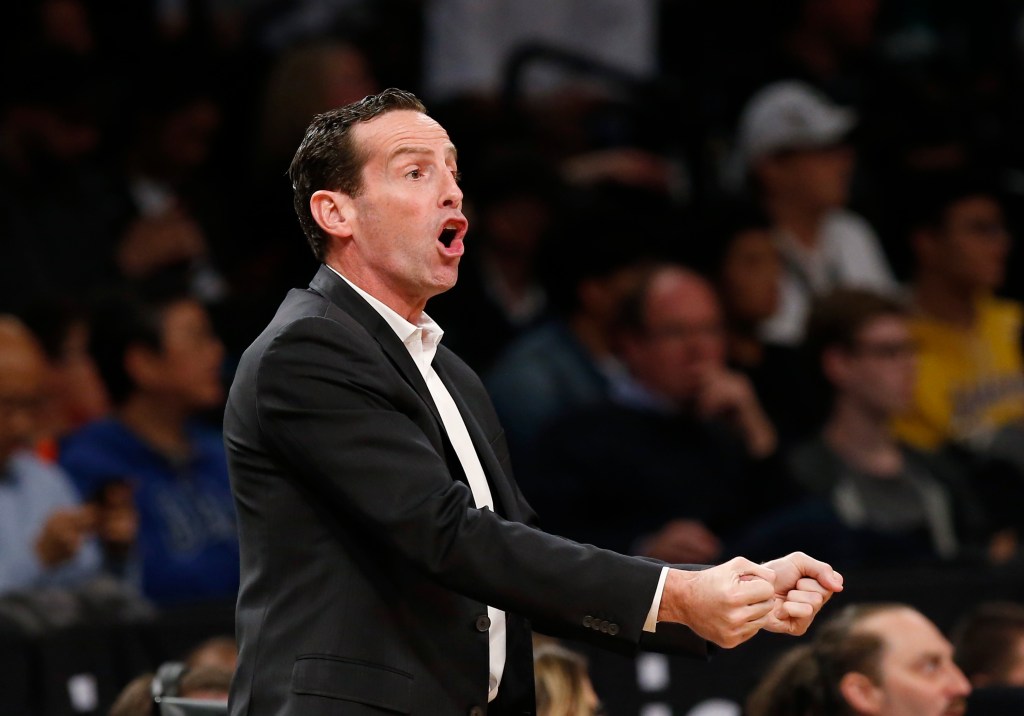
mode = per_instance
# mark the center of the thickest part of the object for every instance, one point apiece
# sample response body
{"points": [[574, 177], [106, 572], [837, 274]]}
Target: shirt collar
{"points": [[420, 339]]}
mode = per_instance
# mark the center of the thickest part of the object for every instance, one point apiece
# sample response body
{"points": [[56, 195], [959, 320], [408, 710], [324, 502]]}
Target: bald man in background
{"points": [[46, 534]]}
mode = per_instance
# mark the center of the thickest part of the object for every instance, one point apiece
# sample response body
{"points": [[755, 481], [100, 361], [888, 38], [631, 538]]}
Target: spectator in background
{"points": [[78, 395], [793, 142], [174, 214], [970, 380], [47, 536], [161, 363], [890, 504], [869, 660], [743, 261], [989, 642], [563, 684], [500, 293], [685, 433], [570, 361], [303, 81]]}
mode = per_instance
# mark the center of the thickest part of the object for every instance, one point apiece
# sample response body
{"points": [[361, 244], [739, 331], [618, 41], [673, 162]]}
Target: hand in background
{"points": [[682, 541], [63, 534]]}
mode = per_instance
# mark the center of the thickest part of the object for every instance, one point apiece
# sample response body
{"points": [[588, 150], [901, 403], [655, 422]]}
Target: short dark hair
{"points": [[327, 158], [805, 682], [985, 639], [931, 199], [839, 316], [127, 316]]}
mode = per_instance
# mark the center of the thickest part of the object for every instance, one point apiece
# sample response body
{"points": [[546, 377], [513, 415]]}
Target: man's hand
{"points": [[729, 396], [63, 533], [726, 604], [802, 586], [682, 542]]}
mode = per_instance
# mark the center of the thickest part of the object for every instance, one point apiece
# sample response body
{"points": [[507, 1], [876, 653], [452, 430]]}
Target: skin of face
{"points": [[918, 676], [816, 179], [24, 380], [391, 229], [750, 276], [880, 369], [683, 337], [972, 247], [186, 369]]}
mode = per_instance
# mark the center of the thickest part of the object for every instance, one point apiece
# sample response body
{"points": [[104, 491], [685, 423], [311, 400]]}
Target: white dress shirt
{"points": [[421, 340]]}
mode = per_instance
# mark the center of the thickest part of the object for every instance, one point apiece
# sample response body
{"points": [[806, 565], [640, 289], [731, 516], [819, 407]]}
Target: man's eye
{"points": [[414, 174], [458, 176]]}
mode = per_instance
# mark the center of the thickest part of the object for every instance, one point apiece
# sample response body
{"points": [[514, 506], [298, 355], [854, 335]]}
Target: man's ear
{"points": [[861, 693], [834, 364], [333, 211]]}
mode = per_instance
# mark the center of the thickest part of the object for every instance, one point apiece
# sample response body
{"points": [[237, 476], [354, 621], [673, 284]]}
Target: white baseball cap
{"points": [[790, 115]]}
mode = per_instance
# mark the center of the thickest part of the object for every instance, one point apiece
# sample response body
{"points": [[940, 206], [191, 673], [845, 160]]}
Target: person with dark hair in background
{"points": [[161, 362], [740, 256], [989, 644], [570, 361], [870, 660], [389, 560], [890, 504]]}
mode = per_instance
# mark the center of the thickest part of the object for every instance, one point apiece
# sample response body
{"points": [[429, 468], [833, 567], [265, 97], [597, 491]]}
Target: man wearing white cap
{"points": [[793, 142]]}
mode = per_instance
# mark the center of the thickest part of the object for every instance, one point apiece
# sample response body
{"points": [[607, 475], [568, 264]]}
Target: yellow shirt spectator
{"points": [[970, 383]]}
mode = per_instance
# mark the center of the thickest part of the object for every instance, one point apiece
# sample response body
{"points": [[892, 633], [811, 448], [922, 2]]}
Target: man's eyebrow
{"points": [[450, 151]]}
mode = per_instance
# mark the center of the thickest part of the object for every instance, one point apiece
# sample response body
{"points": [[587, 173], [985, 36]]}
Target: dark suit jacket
{"points": [[366, 569]]}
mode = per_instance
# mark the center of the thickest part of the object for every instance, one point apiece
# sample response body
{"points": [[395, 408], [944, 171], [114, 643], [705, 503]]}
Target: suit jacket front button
{"points": [[483, 623]]}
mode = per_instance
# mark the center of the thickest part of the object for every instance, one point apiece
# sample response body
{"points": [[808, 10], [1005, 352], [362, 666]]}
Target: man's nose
{"points": [[958, 683], [452, 193]]}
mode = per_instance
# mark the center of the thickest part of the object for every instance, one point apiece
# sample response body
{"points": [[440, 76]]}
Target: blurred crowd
{"points": [[739, 275]]}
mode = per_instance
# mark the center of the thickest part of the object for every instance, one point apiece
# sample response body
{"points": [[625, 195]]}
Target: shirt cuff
{"points": [[651, 624]]}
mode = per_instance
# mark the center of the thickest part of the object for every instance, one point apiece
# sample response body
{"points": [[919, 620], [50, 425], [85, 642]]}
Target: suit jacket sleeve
{"points": [[330, 406]]}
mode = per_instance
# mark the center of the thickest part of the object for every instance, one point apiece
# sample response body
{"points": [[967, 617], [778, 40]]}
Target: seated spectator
{"points": [[970, 379], [563, 684], [793, 142], [870, 660], [47, 536], [890, 504], [681, 457], [989, 644], [161, 362], [569, 361], [743, 261], [78, 395], [500, 294]]}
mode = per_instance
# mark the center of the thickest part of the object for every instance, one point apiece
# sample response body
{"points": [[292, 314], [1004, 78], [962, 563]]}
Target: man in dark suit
{"points": [[389, 562]]}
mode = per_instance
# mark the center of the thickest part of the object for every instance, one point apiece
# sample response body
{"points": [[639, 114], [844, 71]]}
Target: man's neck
{"points": [[937, 298], [157, 423], [410, 310], [798, 219]]}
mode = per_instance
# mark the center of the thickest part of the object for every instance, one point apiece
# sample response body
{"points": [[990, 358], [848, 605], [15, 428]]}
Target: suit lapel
{"points": [[500, 489], [329, 285]]}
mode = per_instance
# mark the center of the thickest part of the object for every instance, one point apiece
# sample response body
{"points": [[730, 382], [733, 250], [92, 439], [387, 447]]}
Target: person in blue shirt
{"points": [[161, 362]]}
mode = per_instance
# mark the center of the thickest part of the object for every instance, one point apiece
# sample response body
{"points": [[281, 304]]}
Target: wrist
{"points": [[677, 596]]}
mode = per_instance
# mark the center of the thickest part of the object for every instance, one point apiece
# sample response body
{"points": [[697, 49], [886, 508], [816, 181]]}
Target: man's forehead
{"points": [[403, 131]]}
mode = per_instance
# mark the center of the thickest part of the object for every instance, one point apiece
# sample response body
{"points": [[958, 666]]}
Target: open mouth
{"points": [[448, 235]]}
